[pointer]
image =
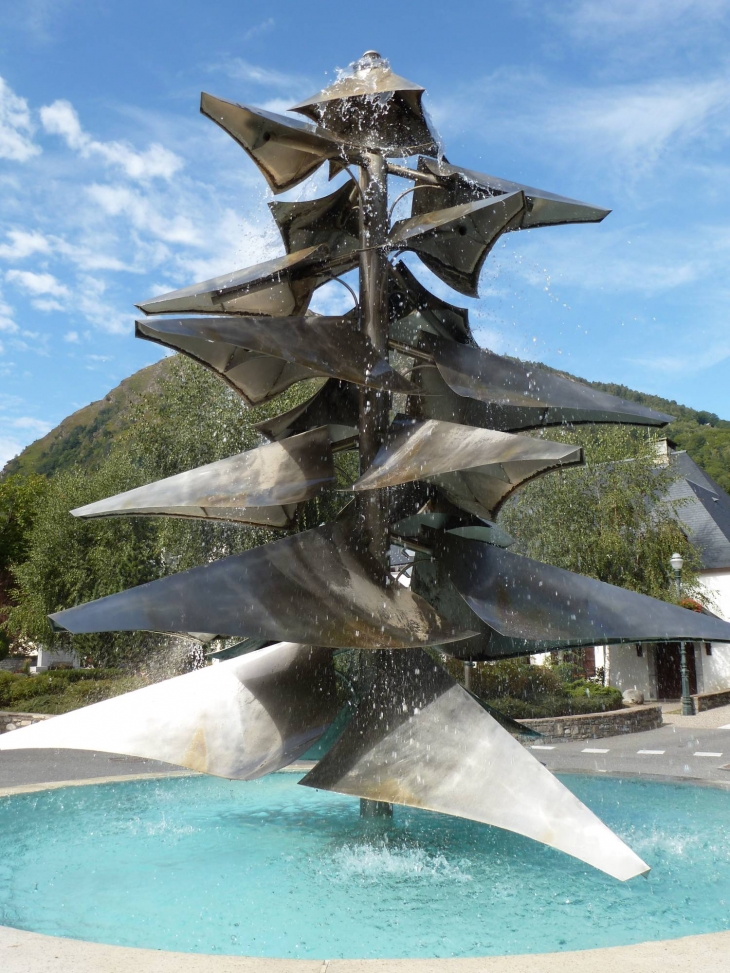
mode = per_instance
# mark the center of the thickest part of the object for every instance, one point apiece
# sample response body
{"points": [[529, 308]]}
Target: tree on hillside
{"points": [[608, 519]]}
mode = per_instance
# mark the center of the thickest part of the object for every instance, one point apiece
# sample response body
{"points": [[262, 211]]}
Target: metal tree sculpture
{"points": [[431, 480]]}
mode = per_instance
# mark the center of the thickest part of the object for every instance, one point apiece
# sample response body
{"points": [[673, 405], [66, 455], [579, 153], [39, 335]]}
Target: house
{"points": [[653, 669]]}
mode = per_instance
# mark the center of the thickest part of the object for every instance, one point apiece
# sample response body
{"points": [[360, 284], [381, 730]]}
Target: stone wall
{"points": [[705, 701], [13, 721], [592, 726]]}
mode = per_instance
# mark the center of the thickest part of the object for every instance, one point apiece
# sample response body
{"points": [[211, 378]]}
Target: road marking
{"points": [[593, 750], [536, 746], [655, 752], [706, 753], [726, 727]]}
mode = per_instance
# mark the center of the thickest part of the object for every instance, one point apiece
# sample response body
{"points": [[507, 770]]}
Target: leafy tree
{"points": [[609, 519]]}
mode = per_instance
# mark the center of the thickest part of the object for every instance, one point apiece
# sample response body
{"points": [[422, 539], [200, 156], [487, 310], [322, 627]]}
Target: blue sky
{"points": [[114, 188]]}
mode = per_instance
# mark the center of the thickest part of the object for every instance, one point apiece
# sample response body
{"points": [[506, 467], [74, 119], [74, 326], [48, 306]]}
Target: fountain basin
{"points": [[266, 868]]}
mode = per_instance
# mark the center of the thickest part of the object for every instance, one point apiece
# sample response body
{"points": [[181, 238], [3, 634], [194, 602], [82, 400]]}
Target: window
{"points": [[708, 648], [640, 651]]}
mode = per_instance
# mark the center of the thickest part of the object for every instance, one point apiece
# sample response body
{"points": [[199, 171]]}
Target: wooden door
{"points": [[668, 672]]}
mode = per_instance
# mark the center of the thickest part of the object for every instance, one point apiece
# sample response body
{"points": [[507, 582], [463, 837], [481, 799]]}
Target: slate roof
{"points": [[705, 514]]}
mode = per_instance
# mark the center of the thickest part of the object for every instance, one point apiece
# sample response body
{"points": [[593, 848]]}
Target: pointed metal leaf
{"points": [[332, 221], [311, 584], [463, 185], [413, 310], [335, 405], [285, 150], [261, 486], [239, 719], [525, 599], [278, 287], [501, 393], [325, 346], [454, 242], [477, 469], [421, 740]]}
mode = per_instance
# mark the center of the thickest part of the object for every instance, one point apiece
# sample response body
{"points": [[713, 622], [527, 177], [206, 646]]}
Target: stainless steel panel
{"points": [[278, 287], [285, 150], [413, 309], [331, 221], [335, 406], [525, 599], [477, 387], [375, 108], [454, 242], [464, 185], [313, 582], [239, 719], [326, 346], [261, 486], [421, 740], [477, 469], [255, 377]]}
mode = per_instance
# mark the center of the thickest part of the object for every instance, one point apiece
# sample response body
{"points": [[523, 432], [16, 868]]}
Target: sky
{"points": [[113, 188]]}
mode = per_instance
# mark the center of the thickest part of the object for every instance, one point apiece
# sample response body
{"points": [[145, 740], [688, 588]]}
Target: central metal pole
{"points": [[374, 404]]}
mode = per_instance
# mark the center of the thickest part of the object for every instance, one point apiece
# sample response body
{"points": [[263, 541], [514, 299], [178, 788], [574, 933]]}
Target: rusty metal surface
{"points": [[464, 185], [331, 221], [239, 719], [373, 107], [326, 346], [285, 150], [316, 582], [454, 242], [261, 486], [278, 287], [421, 740], [335, 406], [477, 387], [477, 469], [255, 377], [525, 599], [413, 309]]}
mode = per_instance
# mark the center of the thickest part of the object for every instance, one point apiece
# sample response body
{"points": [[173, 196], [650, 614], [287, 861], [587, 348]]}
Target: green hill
{"points": [[84, 437]]}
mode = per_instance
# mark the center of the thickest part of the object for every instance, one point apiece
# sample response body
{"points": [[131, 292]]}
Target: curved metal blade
{"points": [[419, 739], [332, 221], [477, 469], [285, 150], [278, 288], [313, 583], [454, 242], [239, 719], [463, 185], [255, 377], [261, 486], [335, 405], [500, 393], [413, 309], [325, 346], [525, 599], [352, 110]]}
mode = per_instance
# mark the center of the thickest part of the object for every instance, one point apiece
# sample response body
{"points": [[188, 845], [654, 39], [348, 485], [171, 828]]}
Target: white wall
{"points": [[717, 586], [49, 657], [627, 670], [716, 667]]}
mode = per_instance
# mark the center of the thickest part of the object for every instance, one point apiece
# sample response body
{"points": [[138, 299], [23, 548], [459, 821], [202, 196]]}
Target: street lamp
{"points": [[677, 563]]}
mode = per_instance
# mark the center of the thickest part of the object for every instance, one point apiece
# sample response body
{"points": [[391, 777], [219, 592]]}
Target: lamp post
{"points": [[677, 563]]}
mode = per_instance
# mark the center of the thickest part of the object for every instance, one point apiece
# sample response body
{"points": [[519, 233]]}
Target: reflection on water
{"points": [[271, 869]]}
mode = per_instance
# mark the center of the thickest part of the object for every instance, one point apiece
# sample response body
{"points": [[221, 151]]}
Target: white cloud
{"points": [[7, 324], [241, 70], [72, 337], [34, 283], [61, 119], [16, 127], [9, 447], [143, 215], [39, 426], [23, 243], [263, 28], [599, 19]]}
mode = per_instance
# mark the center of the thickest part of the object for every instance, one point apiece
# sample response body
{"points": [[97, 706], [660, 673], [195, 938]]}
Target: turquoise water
{"points": [[268, 868]]}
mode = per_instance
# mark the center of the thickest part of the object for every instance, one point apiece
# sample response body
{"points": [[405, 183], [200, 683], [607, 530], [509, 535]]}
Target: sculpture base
{"points": [[375, 809]]}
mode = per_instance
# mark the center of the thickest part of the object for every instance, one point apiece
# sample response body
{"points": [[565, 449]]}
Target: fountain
{"points": [[439, 425]]}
